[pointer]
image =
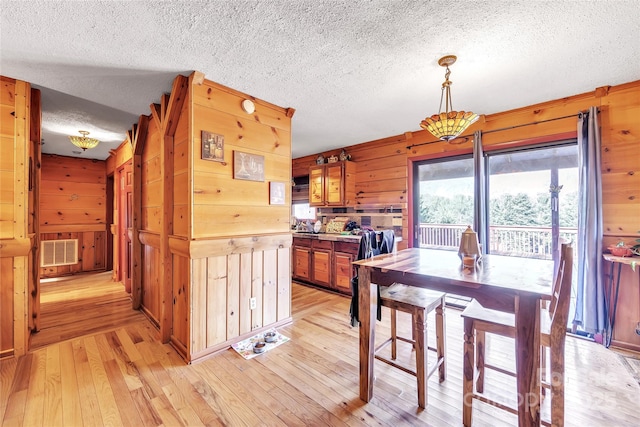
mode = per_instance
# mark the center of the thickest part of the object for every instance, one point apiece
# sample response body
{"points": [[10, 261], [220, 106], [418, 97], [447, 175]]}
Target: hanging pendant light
{"points": [[83, 141], [449, 124]]}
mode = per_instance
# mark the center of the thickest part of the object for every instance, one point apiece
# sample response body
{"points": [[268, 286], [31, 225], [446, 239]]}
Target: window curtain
{"points": [[590, 312], [479, 202]]}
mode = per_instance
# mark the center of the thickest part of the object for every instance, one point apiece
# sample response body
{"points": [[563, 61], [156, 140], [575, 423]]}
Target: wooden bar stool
{"points": [[418, 302]]}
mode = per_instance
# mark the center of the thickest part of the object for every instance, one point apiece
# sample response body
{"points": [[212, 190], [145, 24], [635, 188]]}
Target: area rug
{"points": [[632, 363], [245, 347]]}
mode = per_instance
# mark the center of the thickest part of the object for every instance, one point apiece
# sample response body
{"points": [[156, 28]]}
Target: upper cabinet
{"points": [[333, 184]]}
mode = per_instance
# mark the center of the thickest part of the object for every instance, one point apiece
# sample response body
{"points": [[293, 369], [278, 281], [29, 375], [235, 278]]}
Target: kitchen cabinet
{"points": [[343, 271], [324, 263], [321, 252], [332, 184], [301, 254]]}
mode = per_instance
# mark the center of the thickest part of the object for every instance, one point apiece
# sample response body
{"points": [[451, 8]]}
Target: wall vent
{"points": [[59, 252]]}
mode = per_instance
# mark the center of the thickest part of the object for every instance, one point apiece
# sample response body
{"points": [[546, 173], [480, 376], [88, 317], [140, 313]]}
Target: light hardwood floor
{"points": [[96, 302], [125, 376]]}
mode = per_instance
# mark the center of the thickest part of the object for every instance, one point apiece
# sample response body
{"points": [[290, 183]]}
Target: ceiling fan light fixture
{"points": [[449, 124], [83, 141]]}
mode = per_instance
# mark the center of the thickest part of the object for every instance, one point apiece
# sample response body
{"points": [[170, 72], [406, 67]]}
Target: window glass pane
{"points": [[445, 190], [533, 197], [303, 211]]}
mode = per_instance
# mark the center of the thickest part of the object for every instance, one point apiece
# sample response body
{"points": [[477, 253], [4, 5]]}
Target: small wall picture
{"points": [[247, 166], [212, 146], [276, 193]]}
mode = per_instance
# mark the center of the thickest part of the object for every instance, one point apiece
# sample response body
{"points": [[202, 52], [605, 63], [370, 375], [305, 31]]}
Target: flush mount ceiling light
{"points": [[449, 124], [248, 106], [83, 141]]}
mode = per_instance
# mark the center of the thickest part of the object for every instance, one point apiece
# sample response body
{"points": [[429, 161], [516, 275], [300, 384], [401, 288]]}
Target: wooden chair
{"points": [[553, 326], [418, 302]]}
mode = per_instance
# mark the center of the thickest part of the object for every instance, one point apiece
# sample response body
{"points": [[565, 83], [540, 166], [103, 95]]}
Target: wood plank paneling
{"points": [[187, 201], [181, 301], [216, 284], [226, 100], [73, 199], [6, 313], [221, 221], [151, 273], [7, 191], [151, 177], [270, 287], [233, 296], [222, 286], [256, 289], [246, 268], [199, 298], [84, 203], [73, 169], [284, 284], [239, 132], [15, 213]]}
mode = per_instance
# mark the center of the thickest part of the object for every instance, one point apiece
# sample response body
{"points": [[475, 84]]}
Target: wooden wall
{"points": [[116, 159], [209, 242], [222, 205], [73, 206], [151, 222], [233, 244], [18, 161], [384, 166]]}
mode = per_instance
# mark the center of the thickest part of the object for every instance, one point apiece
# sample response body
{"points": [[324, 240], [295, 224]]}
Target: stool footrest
{"points": [[499, 369], [383, 345], [396, 365]]}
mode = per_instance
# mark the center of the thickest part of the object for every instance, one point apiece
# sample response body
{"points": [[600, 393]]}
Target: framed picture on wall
{"points": [[276, 193], [247, 166], [212, 146]]}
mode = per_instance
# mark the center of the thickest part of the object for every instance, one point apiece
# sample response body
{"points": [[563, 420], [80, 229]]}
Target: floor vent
{"points": [[59, 252]]}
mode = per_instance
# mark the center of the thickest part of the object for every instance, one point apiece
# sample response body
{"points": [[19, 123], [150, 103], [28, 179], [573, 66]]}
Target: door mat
{"points": [[245, 347], [632, 363]]}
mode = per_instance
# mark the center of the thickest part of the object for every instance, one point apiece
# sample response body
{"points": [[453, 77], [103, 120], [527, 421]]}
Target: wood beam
{"points": [[174, 108], [156, 114], [198, 78], [20, 212]]}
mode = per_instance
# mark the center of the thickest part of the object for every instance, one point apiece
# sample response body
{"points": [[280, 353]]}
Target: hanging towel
{"points": [[372, 243]]}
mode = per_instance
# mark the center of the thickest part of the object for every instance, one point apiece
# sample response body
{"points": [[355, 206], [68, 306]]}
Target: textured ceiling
{"points": [[354, 70]]}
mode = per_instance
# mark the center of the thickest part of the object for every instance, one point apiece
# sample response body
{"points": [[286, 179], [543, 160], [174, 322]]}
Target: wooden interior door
{"points": [[125, 211]]}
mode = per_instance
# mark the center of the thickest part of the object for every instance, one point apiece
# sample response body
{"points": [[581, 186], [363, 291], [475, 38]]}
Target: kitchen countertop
{"points": [[334, 237]]}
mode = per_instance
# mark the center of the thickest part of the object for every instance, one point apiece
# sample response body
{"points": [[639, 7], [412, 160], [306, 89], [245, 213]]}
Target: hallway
{"points": [[82, 304]]}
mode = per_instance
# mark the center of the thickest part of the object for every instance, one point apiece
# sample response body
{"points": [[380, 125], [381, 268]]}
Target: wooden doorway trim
{"points": [[35, 159], [125, 230], [137, 136]]}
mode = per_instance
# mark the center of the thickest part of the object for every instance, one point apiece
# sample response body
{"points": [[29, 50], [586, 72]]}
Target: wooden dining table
{"points": [[504, 283]]}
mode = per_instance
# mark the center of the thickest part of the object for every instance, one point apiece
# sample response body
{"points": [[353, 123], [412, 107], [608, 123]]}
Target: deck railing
{"points": [[503, 240]]}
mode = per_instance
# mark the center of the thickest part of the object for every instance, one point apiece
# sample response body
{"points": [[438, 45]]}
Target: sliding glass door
{"points": [[532, 197], [532, 200], [444, 201]]}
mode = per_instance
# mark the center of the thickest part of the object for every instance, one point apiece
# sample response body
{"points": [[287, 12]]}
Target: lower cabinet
{"points": [[324, 263], [321, 252], [301, 262], [343, 271]]}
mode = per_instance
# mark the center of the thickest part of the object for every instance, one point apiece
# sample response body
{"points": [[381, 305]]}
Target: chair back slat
{"points": [[561, 298]]}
